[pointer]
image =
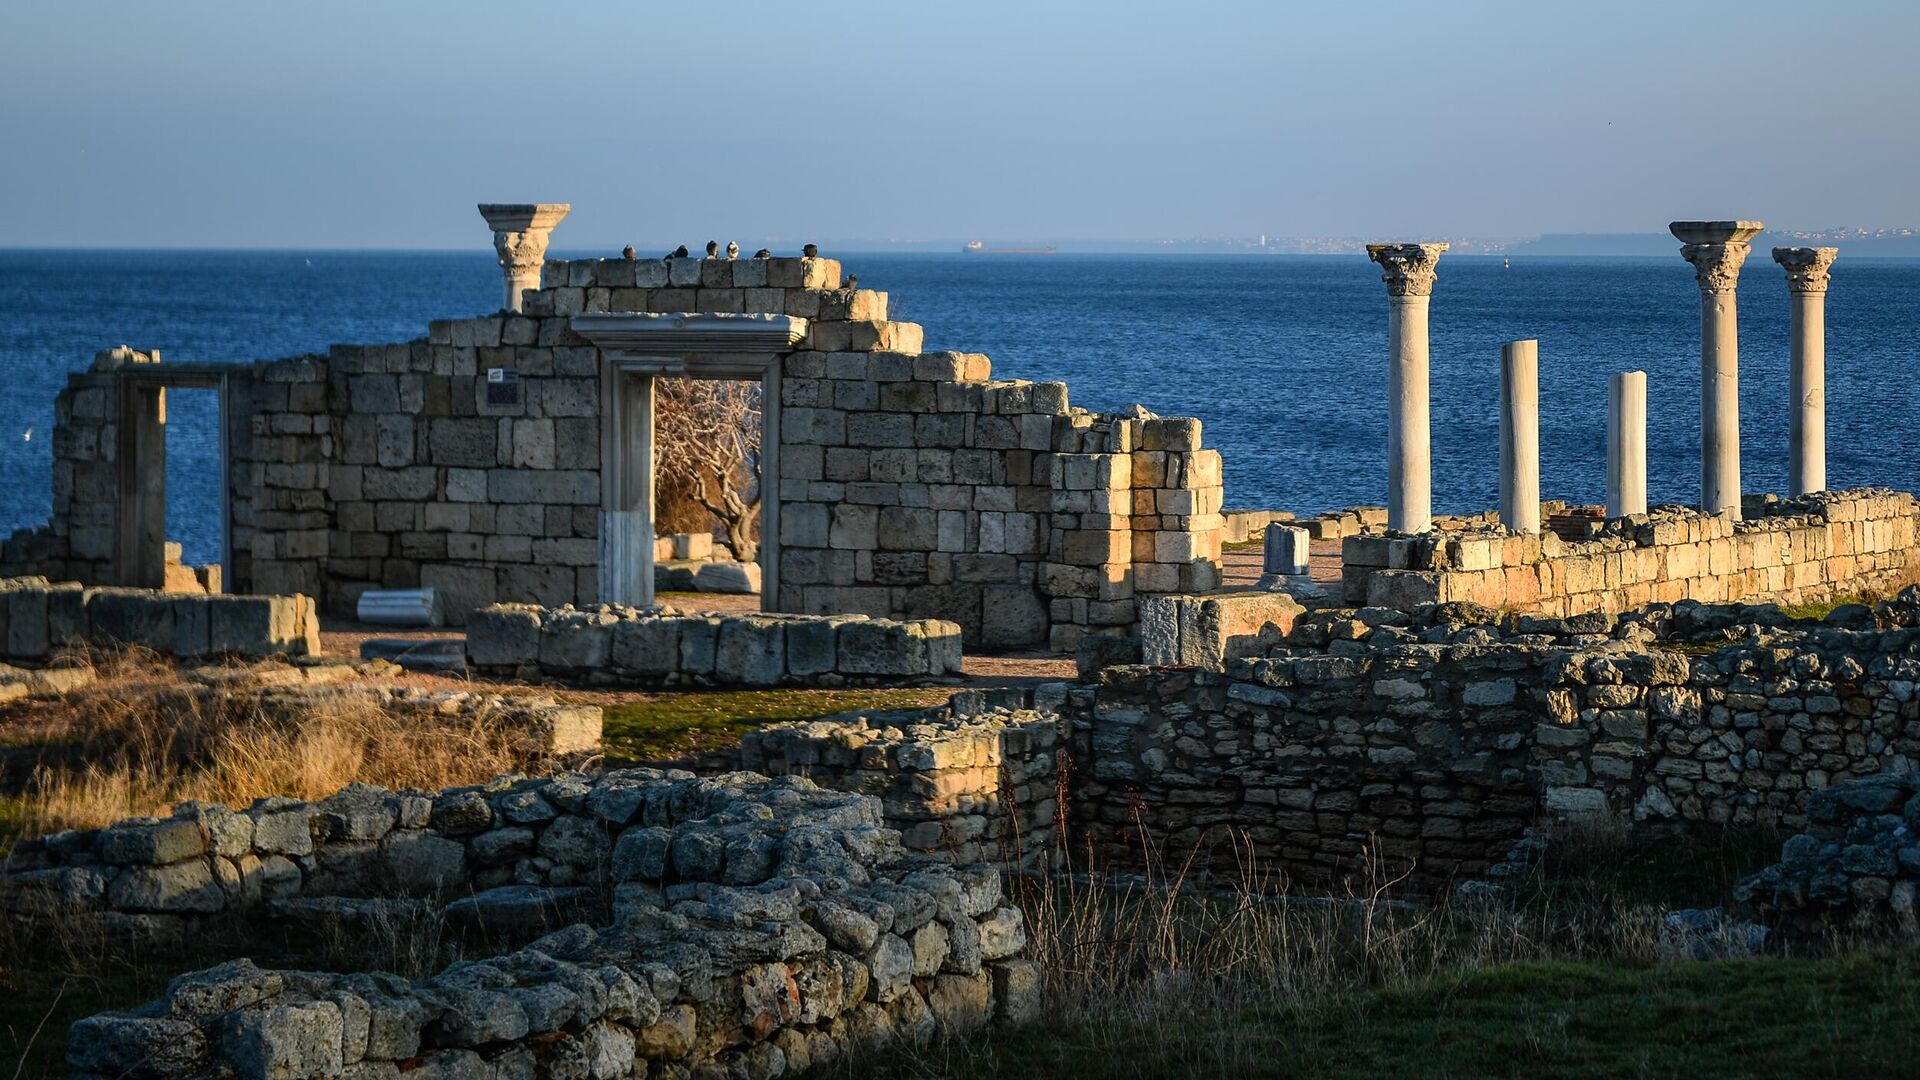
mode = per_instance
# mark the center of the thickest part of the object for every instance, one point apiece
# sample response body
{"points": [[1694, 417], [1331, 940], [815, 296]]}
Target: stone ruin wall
{"points": [[41, 620], [915, 485], [1812, 548], [1375, 743], [759, 926]]}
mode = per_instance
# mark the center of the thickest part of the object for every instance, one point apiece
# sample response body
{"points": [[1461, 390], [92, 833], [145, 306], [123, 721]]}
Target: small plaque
{"points": [[503, 386]]}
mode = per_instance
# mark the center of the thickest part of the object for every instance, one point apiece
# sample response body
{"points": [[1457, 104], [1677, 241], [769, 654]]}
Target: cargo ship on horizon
{"points": [[975, 247]]}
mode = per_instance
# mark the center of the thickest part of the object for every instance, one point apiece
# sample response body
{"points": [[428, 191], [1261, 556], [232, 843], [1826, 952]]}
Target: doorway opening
{"points": [[195, 544], [708, 488]]}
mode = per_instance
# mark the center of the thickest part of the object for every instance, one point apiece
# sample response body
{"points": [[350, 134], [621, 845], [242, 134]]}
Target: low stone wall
{"points": [[1804, 549], [39, 618], [1211, 629], [978, 779], [763, 927], [608, 644]]}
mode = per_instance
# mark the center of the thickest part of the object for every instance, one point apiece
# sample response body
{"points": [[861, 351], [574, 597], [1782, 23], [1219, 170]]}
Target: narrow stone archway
{"points": [[637, 348]]}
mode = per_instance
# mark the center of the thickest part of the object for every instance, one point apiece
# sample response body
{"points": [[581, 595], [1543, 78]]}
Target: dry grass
{"points": [[150, 741]]}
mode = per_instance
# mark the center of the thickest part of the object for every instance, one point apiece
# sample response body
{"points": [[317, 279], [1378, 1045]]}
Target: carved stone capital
{"points": [[521, 231], [1717, 250], [1408, 269], [1806, 267], [1717, 266]]}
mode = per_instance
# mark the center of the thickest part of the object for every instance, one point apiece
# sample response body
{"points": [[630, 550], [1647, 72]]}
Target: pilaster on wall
{"points": [[292, 448]]}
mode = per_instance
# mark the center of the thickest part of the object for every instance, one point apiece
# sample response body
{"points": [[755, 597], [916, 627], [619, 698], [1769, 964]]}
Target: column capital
{"points": [[1408, 269], [1806, 267], [1717, 250], [521, 230]]}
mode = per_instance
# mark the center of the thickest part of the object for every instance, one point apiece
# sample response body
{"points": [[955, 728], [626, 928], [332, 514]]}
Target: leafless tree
{"points": [[707, 446]]}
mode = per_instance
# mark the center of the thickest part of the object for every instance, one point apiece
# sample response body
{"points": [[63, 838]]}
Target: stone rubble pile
{"points": [[763, 927], [610, 644], [1858, 863]]}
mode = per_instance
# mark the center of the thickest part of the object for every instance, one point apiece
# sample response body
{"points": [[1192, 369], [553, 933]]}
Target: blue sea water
{"points": [[1282, 357]]}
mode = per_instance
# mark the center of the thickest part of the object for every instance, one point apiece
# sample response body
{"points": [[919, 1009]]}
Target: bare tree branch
{"points": [[707, 438]]}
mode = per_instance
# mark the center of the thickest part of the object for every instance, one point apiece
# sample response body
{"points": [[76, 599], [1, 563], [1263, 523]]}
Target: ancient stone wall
{"points": [[606, 644], [40, 619], [1814, 547], [759, 925], [977, 779]]}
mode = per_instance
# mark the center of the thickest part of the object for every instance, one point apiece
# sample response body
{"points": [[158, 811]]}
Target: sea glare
{"points": [[1283, 357]]}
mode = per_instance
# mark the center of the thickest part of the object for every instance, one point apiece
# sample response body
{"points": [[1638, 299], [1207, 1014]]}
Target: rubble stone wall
{"points": [[39, 619], [607, 644], [762, 927], [1811, 548]]}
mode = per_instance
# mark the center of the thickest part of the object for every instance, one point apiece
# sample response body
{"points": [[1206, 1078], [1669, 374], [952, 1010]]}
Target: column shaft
{"points": [[1807, 275], [1627, 444], [1409, 427], [1719, 404], [1520, 436]]}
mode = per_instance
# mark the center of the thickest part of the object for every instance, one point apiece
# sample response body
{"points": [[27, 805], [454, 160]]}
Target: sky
{"points": [[380, 124]]}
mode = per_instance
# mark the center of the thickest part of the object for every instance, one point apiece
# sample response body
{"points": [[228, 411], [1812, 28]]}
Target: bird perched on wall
{"points": [[853, 282], [679, 252], [810, 250], [763, 253], [733, 250], [713, 248], [627, 252]]}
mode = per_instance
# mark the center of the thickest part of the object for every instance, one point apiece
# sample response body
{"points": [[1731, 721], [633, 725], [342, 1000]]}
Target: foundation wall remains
{"points": [[761, 927], [1810, 548], [1377, 743], [40, 619], [621, 645]]}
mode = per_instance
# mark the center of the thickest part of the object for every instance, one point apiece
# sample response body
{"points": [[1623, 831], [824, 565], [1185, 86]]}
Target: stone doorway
{"points": [[636, 349], [140, 509]]}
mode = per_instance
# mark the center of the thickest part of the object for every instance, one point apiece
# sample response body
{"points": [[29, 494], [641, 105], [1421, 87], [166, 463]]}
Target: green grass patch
{"points": [[675, 724], [1841, 1017], [1815, 610]]}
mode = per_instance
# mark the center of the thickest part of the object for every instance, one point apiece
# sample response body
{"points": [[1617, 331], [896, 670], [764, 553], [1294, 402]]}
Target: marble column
{"points": [[1717, 249], [1408, 270], [520, 232], [1627, 444], [1807, 423], [1520, 436]]}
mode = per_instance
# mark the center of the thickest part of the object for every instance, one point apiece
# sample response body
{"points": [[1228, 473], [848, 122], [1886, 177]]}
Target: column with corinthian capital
{"points": [[520, 232], [1717, 249], [1409, 272], [1807, 422]]}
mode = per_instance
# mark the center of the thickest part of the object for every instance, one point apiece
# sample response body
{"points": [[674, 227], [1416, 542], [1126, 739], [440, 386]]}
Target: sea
{"points": [[1282, 357]]}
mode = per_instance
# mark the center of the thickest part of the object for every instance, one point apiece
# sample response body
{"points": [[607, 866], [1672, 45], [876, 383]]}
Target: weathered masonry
{"points": [[509, 458]]}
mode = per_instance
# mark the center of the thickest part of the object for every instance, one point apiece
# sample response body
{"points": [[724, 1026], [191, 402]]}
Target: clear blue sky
{"points": [[363, 124]]}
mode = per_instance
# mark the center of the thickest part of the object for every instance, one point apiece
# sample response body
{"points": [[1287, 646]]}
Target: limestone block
{"points": [[646, 646], [576, 640], [881, 648], [504, 635], [138, 617], [182, 887], [751, 652], [25, 617], [810, 647]]}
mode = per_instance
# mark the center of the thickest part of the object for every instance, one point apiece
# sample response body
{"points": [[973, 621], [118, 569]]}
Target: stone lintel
{"points": [[1806, 267], [636, 333], [1408, 269]]}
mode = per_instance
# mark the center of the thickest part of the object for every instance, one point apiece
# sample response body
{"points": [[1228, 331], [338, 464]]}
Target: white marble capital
{"points": [[1408, 269], [1807, 268], [1717, 250], [520, 234]]}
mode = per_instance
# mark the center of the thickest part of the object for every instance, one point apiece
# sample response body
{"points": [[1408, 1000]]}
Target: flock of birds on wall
{"points": [[713, 251]]}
